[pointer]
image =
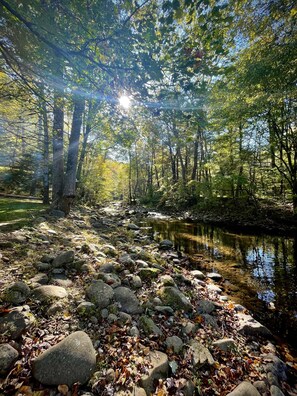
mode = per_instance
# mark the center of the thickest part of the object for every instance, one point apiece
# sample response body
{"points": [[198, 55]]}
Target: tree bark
{"points": [[45, 165], [69, 192]]}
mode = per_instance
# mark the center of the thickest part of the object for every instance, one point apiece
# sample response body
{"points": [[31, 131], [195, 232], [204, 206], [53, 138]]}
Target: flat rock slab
{"points": [[250, 326], [8, 356], [214, 288], [100, 294], [173, 297], [225, 344], [12, 325], [214, 276], [129, 303], [158, 362], [48, 292], [244, 389], [71, 360], [200, 354]]}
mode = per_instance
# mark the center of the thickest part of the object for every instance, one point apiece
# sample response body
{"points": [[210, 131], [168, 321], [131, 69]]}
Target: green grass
{"points": [[19, 211]]}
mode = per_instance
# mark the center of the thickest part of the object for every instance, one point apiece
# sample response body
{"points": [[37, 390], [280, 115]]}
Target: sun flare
{"points": [[125, 101]]}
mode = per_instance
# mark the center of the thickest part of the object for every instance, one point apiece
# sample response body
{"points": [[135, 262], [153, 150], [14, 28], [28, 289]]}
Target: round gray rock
{"points": [[128, 301], [166, 244], [16, 293], [8, 356], [71, 360], [63, 258], [100, 293]]}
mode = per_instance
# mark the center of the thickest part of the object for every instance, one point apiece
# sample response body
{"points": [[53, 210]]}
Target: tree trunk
{"points": [[58, 140], [45, 167], [69, 192]]}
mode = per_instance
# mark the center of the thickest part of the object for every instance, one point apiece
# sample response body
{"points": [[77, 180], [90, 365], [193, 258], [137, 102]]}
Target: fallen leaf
{"points": [[63, 389]]}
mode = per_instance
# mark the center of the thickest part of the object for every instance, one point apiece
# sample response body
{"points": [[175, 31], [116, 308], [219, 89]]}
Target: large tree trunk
{"points": [[58, 139], [72, 158]]}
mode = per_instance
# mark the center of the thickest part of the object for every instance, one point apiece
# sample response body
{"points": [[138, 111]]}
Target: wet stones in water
{"points": [[12, 325], [71, 360], [8, 355], [127, 300], [100, 294], [175, 299], [49, 292], [16, 293], [245, 388], [249, 326]]}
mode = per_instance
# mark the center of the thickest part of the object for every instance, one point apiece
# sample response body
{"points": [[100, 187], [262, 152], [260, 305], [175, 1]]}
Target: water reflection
{"points": [[266, 264]]}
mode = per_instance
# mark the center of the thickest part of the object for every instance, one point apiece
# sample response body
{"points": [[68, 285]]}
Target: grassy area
{"points": [[19, 211]]}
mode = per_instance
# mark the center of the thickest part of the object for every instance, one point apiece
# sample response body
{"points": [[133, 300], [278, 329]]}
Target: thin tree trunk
{"points": [[45, 167]]}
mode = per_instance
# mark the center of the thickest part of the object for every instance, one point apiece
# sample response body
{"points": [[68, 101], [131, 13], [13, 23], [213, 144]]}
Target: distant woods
{"points": [[213, 101]]}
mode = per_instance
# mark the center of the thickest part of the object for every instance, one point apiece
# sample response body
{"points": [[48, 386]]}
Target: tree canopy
{"points": [[212, 89]]}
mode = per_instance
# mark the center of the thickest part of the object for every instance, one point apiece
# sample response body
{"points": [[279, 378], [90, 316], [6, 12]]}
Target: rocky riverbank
{"points": [[92, 306]]}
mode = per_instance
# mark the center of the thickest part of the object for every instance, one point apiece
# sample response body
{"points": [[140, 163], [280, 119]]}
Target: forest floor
{"points": [[157, 324]]}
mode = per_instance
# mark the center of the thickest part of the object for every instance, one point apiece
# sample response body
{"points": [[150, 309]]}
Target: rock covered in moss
{"points": [[173, 297], [12, 325], [149, 326], [16, 293]]}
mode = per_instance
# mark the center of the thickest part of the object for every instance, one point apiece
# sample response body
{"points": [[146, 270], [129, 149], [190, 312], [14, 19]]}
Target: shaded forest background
{"points": [[212, 86]]}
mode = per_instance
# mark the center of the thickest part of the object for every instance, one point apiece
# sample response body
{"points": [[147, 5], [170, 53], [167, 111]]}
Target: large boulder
{"points": [[100, 293], [63, 258], [244, 389], [250, 326], [16, 293], [129, 303], [12, 325], [49, 292], [71, 360], [8, 356], [173, 297], [158, 363]]}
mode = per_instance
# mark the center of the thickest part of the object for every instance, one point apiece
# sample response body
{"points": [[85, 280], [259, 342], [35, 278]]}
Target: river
{"points": [[260, 271]]}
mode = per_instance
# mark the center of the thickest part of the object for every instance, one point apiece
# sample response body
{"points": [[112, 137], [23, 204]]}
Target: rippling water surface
{"points": [[261, 269]]}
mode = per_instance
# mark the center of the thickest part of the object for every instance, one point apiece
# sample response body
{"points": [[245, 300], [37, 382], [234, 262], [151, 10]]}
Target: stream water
{"points": [[260, 270]]}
